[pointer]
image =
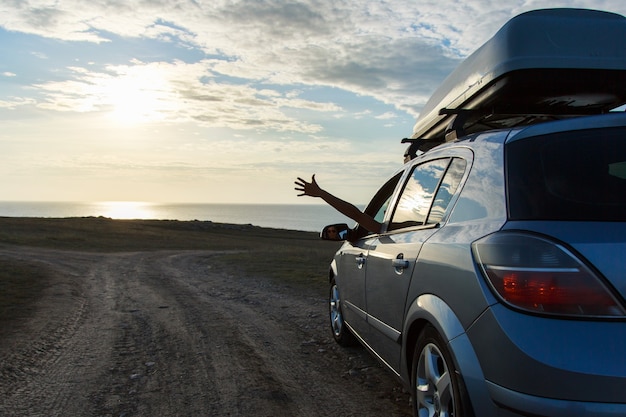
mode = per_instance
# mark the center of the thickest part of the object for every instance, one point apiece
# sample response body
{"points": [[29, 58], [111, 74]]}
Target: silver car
{"points": [[497, 286]]}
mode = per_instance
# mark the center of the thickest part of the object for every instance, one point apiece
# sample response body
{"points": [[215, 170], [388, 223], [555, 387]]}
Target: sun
{"points": [[135, 101], [133, 106], [140, 95]]}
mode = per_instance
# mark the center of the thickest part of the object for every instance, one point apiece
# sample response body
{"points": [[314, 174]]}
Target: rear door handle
{"points": [[400, 264]]}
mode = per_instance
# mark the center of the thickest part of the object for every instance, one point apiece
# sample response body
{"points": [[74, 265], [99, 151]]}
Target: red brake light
{"points": [[537, 275]]}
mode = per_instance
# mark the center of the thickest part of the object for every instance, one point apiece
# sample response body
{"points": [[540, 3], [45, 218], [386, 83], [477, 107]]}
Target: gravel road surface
{"points": [[166, 334]]}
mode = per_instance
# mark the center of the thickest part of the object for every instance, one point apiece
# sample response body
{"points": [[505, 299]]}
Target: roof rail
{"points": [[418, 145]]}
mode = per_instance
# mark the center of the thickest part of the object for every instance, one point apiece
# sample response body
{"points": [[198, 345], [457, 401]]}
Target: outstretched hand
{"points": [[349, 210], [308, 188]]}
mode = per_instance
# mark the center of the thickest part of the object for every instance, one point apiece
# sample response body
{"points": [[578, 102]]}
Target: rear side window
{"points": [[417, 196], [451, 181], [577, 175]]}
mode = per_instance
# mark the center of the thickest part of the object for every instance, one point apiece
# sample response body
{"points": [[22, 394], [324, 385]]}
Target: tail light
{"points": [[540, 276]]}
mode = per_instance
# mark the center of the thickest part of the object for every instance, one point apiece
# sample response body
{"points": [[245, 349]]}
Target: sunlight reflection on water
{"points": [[125, 209], [308, 217]]}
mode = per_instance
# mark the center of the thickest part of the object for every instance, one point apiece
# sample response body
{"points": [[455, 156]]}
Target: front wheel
{"points": [[341, 333], [437, 387]]}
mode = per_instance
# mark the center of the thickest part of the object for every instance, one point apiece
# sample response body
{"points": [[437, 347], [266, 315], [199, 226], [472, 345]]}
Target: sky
{"points": [[224, 101]]}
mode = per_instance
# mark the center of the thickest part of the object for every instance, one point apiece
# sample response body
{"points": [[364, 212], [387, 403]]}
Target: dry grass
{"points": [[105, 235], [298, 259]]}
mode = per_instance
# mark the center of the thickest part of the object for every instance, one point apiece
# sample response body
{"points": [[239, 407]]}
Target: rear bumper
{"points": [[516, 404], [548, 367]]}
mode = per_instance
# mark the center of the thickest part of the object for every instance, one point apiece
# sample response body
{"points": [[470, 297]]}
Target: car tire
{"points": [[437, 387], [341, 332]]}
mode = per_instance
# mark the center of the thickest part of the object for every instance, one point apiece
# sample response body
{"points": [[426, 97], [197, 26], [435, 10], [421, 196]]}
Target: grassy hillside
{"points": [[297, 259]]}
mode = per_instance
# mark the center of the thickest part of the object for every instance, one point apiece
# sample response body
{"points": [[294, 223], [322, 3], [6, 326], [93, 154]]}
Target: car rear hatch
{"points": [[567, 180]]}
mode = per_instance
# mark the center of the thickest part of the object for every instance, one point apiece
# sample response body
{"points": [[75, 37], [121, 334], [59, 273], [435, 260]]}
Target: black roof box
{"points": [[541, 65]]}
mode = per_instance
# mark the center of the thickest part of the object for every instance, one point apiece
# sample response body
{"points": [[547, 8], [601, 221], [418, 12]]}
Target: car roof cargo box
{"points": [[541, 65]]}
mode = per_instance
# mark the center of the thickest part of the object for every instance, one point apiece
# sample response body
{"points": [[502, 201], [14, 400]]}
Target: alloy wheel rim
{"points": [[435, 395], [335, 311]]}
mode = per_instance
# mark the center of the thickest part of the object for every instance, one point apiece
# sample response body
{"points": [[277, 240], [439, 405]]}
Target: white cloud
{"points": [[396, 52], [386, 116], [176, 92], [321, 86], [15, 103]]}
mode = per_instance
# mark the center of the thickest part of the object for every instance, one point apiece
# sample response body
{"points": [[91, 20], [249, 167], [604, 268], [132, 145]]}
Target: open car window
{"points": [[378, 206]]}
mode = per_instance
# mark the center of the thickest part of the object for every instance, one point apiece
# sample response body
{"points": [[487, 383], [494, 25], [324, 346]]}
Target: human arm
{"points": [[312, 189]]}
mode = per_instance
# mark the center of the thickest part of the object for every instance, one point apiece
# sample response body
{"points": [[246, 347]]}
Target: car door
{"points": [[352, 261], [391, 257], [351, 283]]}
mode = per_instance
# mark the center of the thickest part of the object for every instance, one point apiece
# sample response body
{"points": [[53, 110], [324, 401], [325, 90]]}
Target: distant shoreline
{"points": [[306, 217]]}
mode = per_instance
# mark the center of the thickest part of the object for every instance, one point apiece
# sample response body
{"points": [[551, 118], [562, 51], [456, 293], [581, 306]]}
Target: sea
{"points": [[305, 217]]}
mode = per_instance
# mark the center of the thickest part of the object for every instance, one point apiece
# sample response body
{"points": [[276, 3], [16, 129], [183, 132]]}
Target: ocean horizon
{"points": [[305, 217]]}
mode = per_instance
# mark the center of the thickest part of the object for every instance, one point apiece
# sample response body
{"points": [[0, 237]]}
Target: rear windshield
{"points": [[577, 175]]}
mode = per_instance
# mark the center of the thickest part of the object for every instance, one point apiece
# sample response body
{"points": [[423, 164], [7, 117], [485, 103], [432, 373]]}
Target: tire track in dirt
{"points": [[162, 333], [45, 360]]}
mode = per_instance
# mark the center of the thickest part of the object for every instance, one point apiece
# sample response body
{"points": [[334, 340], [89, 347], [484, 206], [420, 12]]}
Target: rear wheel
{"points": [[437, 387], [341, 333]]}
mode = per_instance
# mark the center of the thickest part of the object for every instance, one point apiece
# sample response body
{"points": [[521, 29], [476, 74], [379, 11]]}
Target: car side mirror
{"points": [[336, 232]]}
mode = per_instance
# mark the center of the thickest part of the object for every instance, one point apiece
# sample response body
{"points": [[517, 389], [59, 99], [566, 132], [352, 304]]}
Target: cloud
{"points": [[182, 89], [375, 49], [15, 103], [396, 52], [177, 92], [386, 116]]}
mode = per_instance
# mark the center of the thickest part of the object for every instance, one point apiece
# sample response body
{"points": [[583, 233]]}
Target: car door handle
{"points": [[399, 263], [360, 261]]}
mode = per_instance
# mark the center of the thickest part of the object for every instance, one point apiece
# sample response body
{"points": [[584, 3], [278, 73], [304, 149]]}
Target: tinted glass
{"points": [[446, 190], [568, 176], [417, 195]]}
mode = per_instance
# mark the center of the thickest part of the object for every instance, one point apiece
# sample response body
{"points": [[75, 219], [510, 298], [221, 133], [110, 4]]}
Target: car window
{"points": [[414, 203], [568, 176], [380, 215], [446, 190], [377, 205], [377, 208]]}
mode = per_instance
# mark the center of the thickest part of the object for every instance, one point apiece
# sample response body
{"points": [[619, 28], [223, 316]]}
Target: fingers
{"points": [[302, 185]]}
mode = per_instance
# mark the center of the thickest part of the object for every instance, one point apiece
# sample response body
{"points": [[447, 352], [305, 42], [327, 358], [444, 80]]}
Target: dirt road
{"points": [[166, 334]]}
